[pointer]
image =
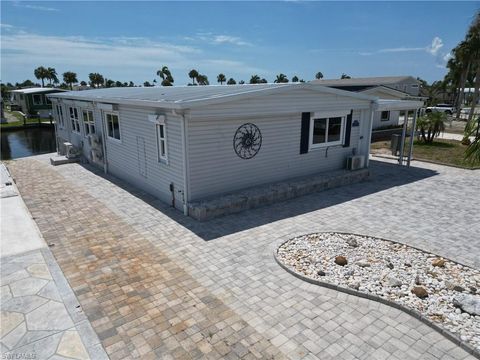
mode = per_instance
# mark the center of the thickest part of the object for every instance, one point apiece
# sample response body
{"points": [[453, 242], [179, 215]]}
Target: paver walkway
{"points": [[140, 303], [40, 316], [116, 249]]}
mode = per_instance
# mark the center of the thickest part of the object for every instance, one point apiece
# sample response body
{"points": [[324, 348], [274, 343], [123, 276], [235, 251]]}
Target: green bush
{"points": [[431, 125]]}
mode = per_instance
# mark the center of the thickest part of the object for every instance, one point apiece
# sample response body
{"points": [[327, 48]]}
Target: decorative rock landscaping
{"points": [[444, 292]]}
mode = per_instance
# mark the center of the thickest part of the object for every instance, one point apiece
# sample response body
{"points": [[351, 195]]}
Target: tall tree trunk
{"points": [[475, 94], [463, 80], [43, 84]]}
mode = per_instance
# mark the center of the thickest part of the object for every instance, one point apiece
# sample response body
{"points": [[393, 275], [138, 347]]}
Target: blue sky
{"points": [[132, 40]]}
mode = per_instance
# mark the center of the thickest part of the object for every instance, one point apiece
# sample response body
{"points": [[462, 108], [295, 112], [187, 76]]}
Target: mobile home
{"points": [[185, 144]]}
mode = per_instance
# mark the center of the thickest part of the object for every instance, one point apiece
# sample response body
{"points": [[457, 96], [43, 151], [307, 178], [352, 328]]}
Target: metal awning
{"points": [[385, 105]]}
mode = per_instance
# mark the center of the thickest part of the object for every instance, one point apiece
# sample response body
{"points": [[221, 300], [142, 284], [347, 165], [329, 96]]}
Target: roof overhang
{"points": [[387, 105]]}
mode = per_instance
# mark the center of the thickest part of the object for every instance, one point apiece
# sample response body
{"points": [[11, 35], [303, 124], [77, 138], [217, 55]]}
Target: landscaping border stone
{"points": [[449, 335]]}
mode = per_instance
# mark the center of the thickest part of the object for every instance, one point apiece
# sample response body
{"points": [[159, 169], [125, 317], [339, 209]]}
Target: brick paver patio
{"points": [[152, 285]]}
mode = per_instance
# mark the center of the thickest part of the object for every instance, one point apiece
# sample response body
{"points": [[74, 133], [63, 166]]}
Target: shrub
{"points": [[431, 125]]}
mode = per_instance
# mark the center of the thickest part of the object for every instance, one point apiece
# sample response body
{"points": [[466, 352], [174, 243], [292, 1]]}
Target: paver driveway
{"points": [[152, 284]]}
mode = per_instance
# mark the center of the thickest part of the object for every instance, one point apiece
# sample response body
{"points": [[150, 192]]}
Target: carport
{"points": [[407, 106]]}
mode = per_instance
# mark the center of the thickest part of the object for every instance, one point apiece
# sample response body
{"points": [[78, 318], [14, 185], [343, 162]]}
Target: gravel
{"points": [[391, 271]]}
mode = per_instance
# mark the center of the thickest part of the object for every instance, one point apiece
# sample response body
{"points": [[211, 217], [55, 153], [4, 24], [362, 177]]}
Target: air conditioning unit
{"points": [[355, 162], [70, 151]]}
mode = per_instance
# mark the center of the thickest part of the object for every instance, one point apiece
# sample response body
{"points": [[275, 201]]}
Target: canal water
{"points": [[27, 142]]}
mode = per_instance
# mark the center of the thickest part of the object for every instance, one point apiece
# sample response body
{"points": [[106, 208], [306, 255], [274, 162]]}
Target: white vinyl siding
{"points": [[214, 168], [135, 159]]}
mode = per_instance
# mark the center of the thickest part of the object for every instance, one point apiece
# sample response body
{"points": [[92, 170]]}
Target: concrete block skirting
{"points": [[213, 207]]}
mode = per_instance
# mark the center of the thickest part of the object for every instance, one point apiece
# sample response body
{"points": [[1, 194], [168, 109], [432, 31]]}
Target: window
{"points": [[414, 86], [88, 122], [326, 131], [161, 142], [74, 119], [47, 101], [37, 99], [113, 126], [61, 121], [385, 116]]}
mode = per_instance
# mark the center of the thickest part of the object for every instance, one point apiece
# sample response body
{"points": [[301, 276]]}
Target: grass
{"points": [[19, 116], [447, 152], [19, 123]]}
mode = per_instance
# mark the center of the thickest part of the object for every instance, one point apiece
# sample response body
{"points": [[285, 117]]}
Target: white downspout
{"points": [[412, 136], [370, 128], [402, 142], [184, 165]]}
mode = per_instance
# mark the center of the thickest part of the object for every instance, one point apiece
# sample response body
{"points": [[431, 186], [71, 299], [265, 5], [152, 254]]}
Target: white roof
{"points": [[36, 90], [182, 97], [367, 81]]}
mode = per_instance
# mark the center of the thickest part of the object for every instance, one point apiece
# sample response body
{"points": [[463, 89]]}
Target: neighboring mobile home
{"points": [[33, 101], [184, 144], [407, 84], [391, 87]]}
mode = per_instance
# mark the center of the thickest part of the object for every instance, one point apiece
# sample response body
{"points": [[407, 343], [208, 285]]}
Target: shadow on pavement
{"points": [[383, 176]]}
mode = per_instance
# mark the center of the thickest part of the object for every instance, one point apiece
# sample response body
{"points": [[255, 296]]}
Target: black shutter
{"points": [[305, 133], [348, 130]]}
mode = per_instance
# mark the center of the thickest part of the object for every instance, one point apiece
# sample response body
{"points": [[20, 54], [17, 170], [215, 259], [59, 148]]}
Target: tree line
{"points": [[49, 77]]}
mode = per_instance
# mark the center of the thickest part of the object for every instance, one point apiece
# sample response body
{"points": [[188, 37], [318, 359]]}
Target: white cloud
{"points": [[132, 58], [401, 49], [436, 45], [432, 49], [222, 39], [447, 56], [216, 39], [33, 7]]}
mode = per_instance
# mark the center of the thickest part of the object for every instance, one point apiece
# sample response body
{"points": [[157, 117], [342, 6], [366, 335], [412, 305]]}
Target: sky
{"points": [[131, 40]]}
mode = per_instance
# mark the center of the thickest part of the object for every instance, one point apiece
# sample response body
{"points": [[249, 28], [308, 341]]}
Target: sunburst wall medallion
{"points": [[247, 141]]}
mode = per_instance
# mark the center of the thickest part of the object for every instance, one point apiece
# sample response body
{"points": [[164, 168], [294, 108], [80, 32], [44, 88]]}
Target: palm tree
{"points": [[69, 77], [345, 76], [281, 78], [263, 81], [318, 75], [231, 81], [295, 78], [202, 79], [255, 79], [221, 78], [241, 82], [96, 79], [41, 73], [193, 74], [431, 125], [166, 76], [52, 75]]}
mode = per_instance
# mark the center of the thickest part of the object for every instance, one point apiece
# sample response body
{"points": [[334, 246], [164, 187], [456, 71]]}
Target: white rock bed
{"points": [[370, 270]]}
